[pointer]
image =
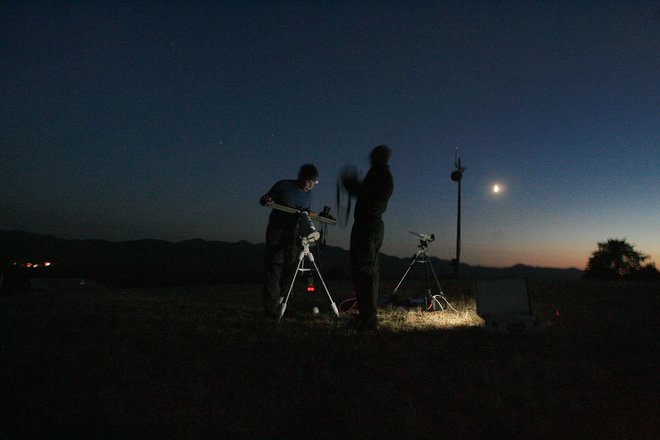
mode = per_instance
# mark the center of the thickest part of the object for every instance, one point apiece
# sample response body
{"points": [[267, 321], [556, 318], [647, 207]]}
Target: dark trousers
{"points": [[280, 255], [366, 240]]}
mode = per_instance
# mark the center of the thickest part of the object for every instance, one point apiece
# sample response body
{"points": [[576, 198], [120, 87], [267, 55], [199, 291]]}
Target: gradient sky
{"points": [[168, 120]]}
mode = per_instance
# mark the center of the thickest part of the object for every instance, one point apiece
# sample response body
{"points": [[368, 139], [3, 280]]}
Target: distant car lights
{"points": [[31, 265]]}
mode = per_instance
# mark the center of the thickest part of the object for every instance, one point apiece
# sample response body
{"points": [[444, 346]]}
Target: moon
{"points": [[496, 188]]}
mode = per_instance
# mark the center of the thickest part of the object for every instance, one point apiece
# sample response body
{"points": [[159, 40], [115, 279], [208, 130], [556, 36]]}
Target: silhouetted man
{"points": [[367, 235], [282, 233]]}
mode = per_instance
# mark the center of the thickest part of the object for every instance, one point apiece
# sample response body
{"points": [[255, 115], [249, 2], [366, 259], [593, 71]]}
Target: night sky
{"points": [[168, 120]]}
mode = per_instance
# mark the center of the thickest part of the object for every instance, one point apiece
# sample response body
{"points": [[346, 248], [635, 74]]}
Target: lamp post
{"points": [[457, 176]]}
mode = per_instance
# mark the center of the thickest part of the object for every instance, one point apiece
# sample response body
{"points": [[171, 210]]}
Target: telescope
{"points": [[425, 237], [307, 230], [323, 217], [431, 301]]}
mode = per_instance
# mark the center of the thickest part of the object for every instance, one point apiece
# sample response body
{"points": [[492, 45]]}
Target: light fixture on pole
{"points": [[457, 176]]}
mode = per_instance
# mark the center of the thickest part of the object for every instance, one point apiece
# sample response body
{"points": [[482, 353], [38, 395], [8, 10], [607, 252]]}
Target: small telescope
{"points": [[323, 217], [424, 237]]}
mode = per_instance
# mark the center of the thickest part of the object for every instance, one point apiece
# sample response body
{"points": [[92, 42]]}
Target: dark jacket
{"points": [[374, 194]]}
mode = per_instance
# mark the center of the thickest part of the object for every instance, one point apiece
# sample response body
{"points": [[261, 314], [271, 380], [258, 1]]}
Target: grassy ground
{"points": [[202, 362]]}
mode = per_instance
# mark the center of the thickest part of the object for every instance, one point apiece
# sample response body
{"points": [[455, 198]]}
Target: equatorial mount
{"points": [[305, 253]]}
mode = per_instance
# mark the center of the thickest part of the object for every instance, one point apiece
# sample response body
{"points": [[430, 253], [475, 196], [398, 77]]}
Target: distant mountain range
{"points": [[158, 262]]}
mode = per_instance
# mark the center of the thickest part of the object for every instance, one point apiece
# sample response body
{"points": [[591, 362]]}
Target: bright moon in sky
{"points": [[496, 188]]}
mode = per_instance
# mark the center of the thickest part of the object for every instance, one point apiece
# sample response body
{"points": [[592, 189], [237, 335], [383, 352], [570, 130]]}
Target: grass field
{"points": [[202, 362]]}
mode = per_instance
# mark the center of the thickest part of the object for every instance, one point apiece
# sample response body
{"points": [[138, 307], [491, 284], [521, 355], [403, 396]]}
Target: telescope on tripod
{"points": [[308, 235], [431, 301]]}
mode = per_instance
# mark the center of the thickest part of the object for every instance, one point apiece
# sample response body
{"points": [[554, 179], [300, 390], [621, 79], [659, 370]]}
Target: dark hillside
{"points": [[158, 262]]}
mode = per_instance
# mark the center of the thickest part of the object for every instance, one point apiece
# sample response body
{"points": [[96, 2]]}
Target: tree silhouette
{"points": [[617, 259]]}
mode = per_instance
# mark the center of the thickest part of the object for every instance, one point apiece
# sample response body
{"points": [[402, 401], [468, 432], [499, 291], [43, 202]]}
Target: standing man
{"points": [[367, 235], [282, 233]]}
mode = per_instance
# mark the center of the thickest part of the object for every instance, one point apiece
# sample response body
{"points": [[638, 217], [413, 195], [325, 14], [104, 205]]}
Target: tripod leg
{"points": [[286, 299], [435, 277], [429, 296], [412, 261], [332, 302]]}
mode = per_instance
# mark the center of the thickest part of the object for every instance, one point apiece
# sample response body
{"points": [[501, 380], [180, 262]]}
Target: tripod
{"points": [[421, 256], [305, 252]]}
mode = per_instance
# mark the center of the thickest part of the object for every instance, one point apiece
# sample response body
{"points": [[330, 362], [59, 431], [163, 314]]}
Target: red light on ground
{"points": [[310, 288]]}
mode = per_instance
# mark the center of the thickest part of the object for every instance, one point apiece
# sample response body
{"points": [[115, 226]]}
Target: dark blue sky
{"points": [[168, 120]]}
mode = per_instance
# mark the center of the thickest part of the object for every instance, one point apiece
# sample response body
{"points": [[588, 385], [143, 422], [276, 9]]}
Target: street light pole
{"points": [[457, 176]]}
